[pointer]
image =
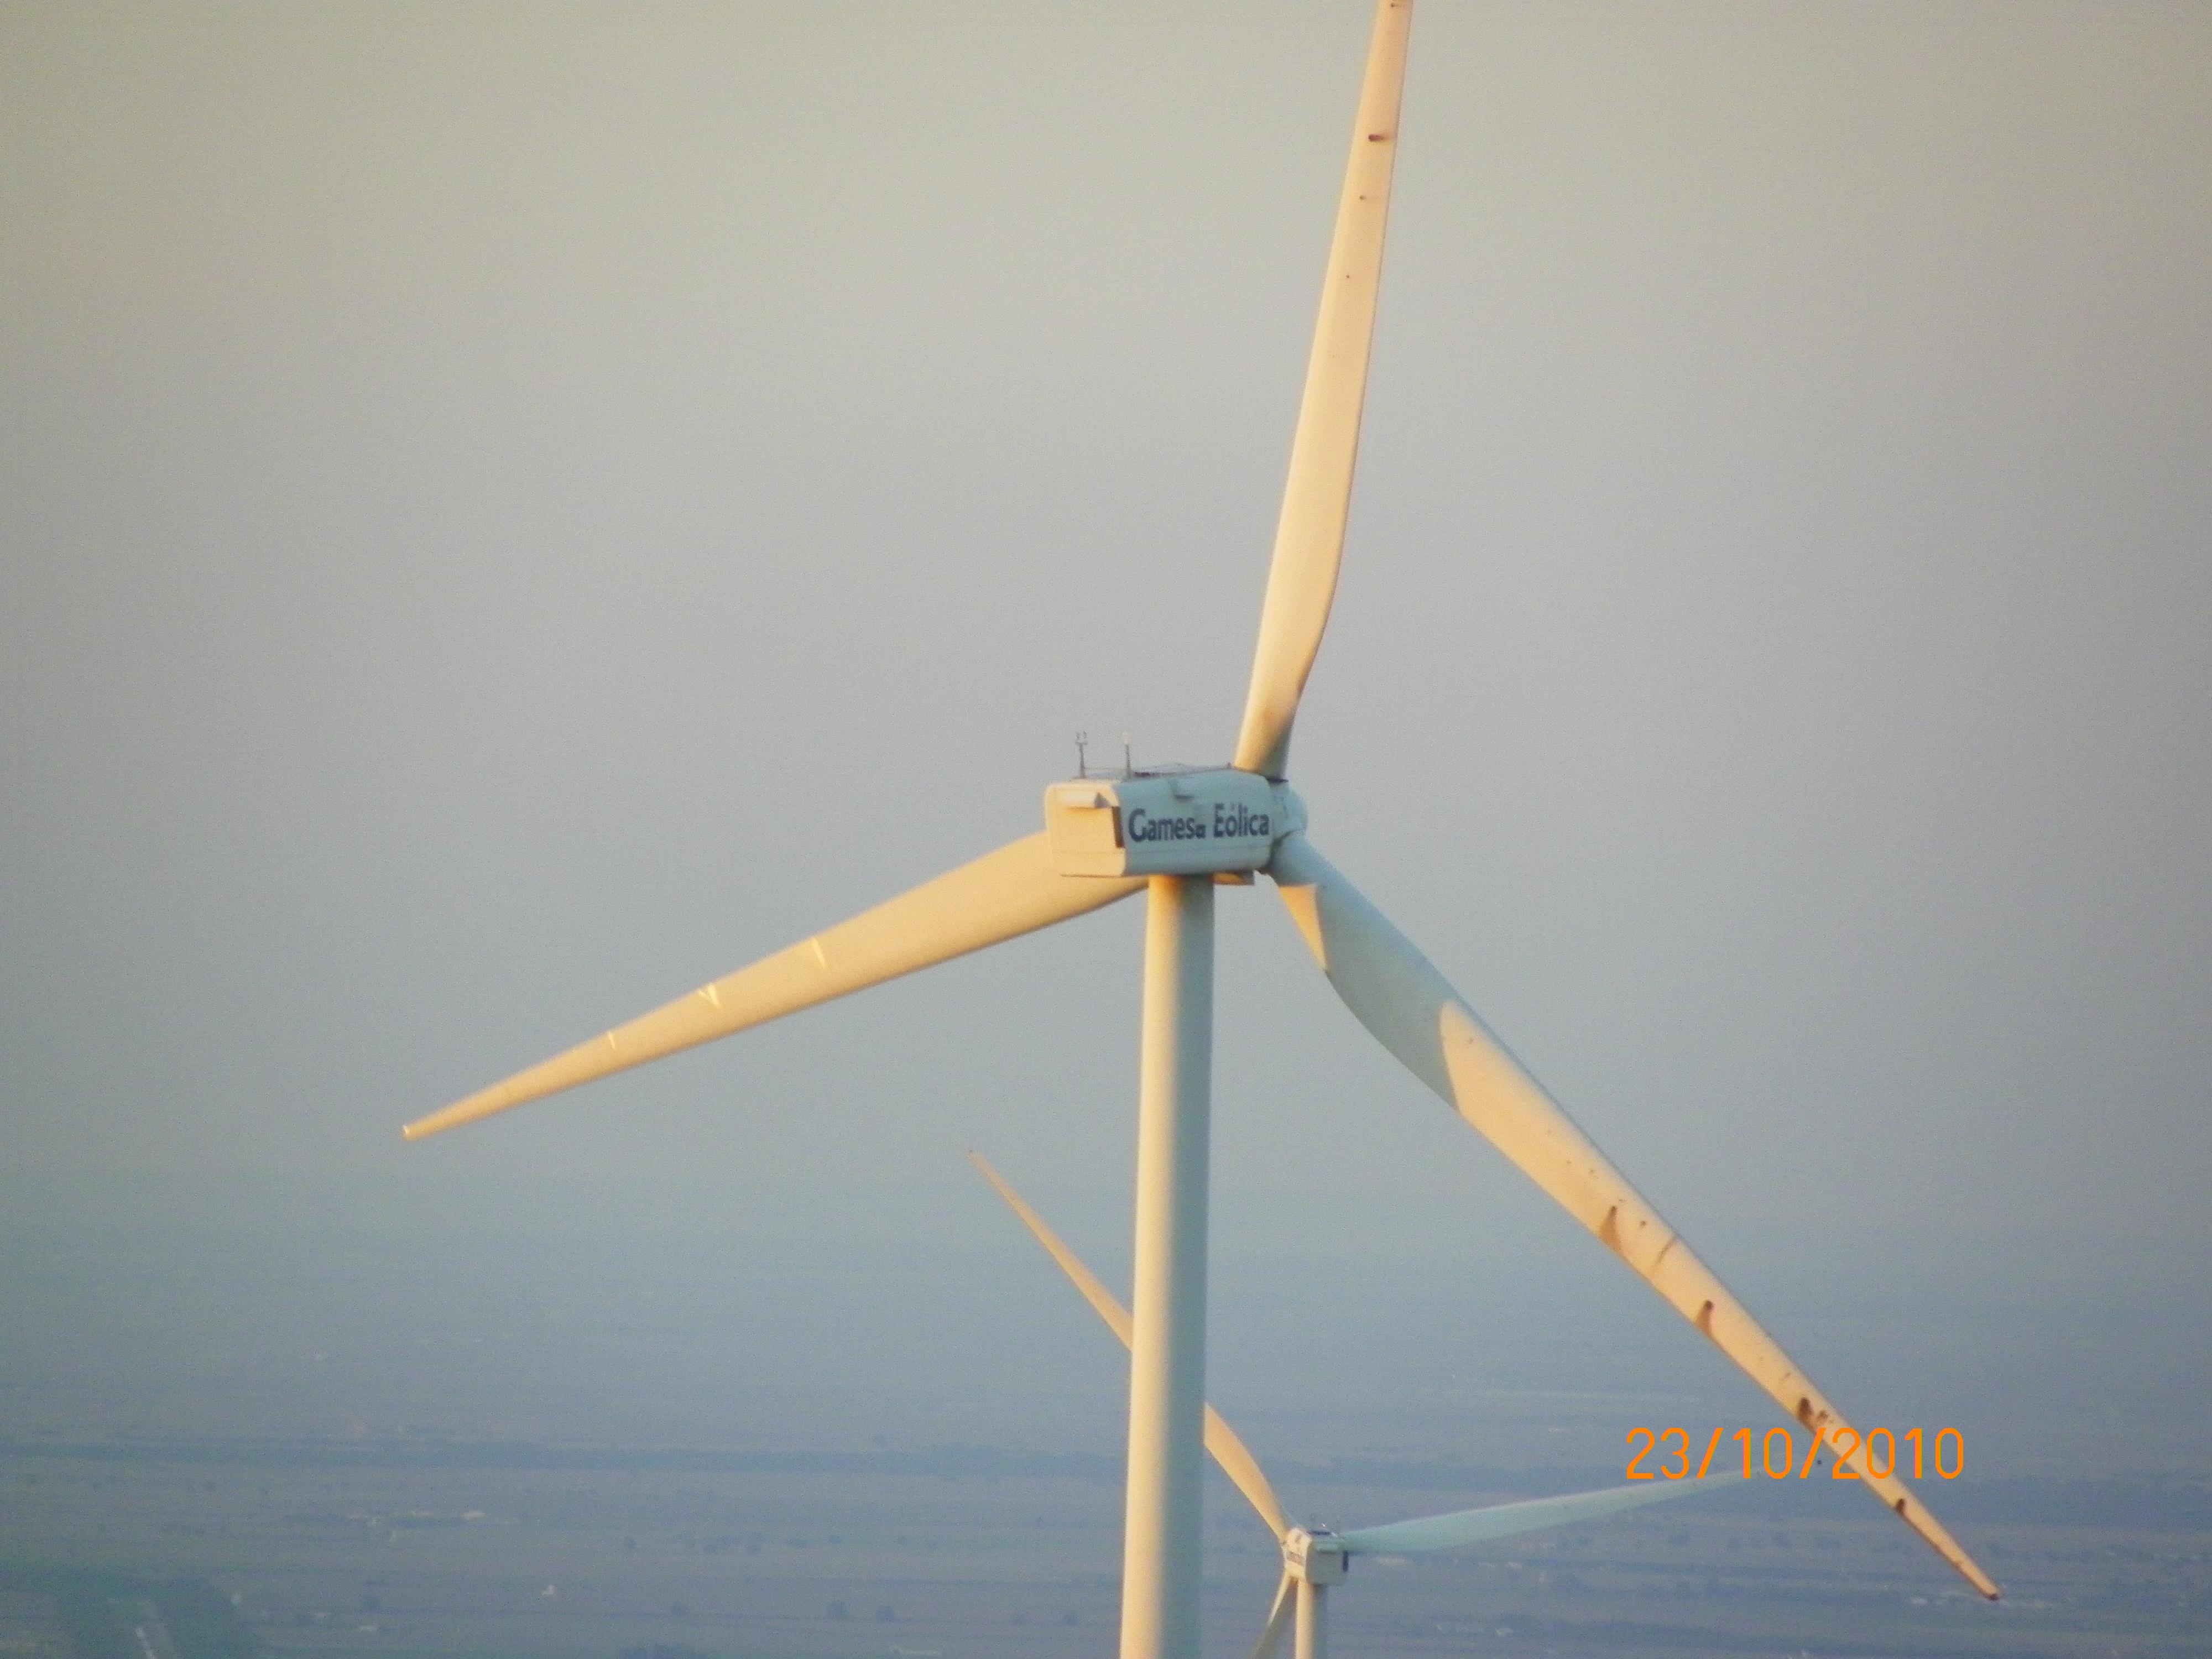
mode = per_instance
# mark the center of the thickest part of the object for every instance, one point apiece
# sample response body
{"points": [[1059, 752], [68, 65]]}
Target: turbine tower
{"points": [[1176, 834], [1315, 1559]]}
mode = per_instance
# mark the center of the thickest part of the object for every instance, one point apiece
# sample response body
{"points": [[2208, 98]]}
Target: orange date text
{"points": [[1673, 1454]]}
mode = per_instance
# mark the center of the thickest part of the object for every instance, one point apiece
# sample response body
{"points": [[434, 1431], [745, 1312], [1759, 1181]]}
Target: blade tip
{"points": [[437, 1123]]}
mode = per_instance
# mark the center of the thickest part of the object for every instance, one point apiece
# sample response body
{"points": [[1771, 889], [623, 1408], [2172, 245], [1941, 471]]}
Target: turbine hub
{"points": [[1219, 820]]}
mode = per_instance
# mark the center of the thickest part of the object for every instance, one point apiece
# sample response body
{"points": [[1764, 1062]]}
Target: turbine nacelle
{"points": [[1173, 822], [1317, 1557]]}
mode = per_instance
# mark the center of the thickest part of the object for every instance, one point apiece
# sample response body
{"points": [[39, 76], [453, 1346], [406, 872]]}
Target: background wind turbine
{"points": [[1180, 832], [1313, 1559]]}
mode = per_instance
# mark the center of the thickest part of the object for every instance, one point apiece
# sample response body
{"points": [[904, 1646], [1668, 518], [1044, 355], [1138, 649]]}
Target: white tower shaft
{"points": [[1312, 1639], [1161, 1543]]}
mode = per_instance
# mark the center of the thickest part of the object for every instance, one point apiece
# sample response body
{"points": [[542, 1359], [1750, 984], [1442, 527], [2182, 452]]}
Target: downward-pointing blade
{"points": [[1278, 1618], [1415, 1014], [1011, 891], [1317, 498], [1449, 1532], [1230, 1452]]}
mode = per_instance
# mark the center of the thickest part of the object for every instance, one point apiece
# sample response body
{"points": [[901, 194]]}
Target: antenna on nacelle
{"points": [[1082, 765], [1128, 766]]}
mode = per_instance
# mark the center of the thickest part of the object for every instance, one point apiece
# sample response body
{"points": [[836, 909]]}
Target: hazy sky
{"points": [[508, 513]]}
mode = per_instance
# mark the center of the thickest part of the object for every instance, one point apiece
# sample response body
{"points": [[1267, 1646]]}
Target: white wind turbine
{"points": [[1176, 833], [1313, 1559]]}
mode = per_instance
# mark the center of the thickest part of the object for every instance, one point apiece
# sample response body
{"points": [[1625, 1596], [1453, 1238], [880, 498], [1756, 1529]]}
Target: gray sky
{"points": [[508, 513]]}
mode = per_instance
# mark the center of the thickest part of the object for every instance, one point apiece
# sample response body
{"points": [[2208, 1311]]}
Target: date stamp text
{"points": [[1668, 1453]]}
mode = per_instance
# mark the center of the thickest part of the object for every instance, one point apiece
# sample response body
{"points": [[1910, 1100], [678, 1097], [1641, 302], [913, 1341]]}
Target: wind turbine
{"points": [[1176, 833], [1313, 1559]]}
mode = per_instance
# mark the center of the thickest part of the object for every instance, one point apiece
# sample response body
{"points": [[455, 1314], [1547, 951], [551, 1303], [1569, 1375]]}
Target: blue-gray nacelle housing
{"points": [[1168, 823]]}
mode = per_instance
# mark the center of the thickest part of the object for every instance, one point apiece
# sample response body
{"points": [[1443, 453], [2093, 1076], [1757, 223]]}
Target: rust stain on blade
{"points": [[1609, 1230]]}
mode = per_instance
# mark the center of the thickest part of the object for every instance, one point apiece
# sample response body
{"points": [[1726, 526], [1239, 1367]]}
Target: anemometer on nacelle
{"points": [[1222, 822]]}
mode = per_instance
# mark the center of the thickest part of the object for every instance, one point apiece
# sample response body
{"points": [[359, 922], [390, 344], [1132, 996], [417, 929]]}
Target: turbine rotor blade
{"points": [[1230, 1452], [1279, 1617], [1447, 1532], [1014, 891], [1317, 498], [1414, 1012]]}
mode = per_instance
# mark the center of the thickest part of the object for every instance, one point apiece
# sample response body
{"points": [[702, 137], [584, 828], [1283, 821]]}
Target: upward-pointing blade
{"points": [[1014, 891], [1414, 1013], [1309, 536], [1231, 1453]]}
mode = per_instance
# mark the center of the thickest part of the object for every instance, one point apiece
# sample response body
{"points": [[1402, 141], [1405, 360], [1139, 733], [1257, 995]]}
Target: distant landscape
{"points": [[331, 1436], [223, 1550]]}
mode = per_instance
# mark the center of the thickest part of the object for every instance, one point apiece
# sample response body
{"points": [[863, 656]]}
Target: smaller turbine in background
{"points": [[1315, 1558]]}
